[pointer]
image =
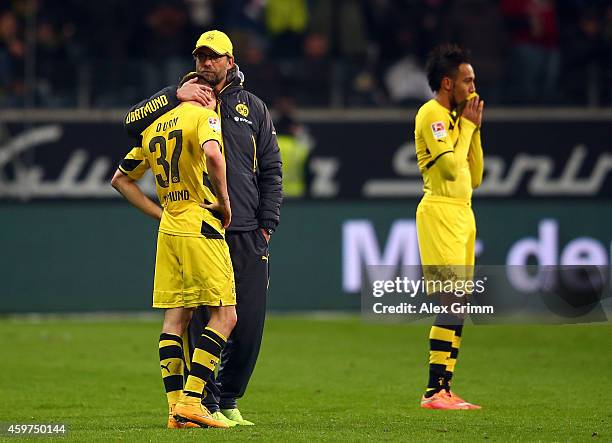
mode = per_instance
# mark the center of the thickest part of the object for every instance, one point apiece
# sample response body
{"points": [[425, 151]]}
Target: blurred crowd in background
{"points": [[312, 53]]}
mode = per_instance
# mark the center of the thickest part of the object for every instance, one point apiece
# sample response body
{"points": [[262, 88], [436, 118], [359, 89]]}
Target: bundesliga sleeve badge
{"points": [[214, 124], [439, 130]]}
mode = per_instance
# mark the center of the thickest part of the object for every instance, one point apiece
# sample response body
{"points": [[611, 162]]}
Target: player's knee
{"points": [[173, 327], [232, 318], [176, 321], [223, 318]]}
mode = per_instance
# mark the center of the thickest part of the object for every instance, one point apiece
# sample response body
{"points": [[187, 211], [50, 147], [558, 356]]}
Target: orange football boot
{"points": [[191, 410], [459, 401], [174, 424], [440, 400]]}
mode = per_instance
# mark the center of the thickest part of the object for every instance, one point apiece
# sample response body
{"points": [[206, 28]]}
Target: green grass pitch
{"points": [[317, 379]]}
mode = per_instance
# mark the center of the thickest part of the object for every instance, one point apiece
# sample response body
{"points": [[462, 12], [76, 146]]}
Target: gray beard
{"points": [[212, 82]]}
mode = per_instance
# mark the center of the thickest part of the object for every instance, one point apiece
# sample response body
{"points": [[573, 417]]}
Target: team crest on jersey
{"points": [[242, 109], [213, 122], [438, 129]]}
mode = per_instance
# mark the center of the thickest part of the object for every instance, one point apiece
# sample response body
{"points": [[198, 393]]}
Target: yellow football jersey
{"points": [[172, 147], [438, 132]]}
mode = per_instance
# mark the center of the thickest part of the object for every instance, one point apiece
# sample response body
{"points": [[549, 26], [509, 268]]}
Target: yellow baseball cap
{"points": [[218, 41]]}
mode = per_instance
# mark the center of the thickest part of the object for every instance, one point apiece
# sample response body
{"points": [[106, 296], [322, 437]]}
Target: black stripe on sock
{"points": [[211, 334], [454, 352], [210, 346], [200, 371], [173, 383], [437, 369], [173, 351], [173, 337], [436, 373], [440, 345], [459, 330]]}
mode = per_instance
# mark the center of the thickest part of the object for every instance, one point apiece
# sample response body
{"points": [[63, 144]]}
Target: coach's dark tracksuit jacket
{"points": [[254, 184]]}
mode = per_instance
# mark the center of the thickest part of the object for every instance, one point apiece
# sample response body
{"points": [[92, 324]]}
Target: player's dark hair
{"points": [[443, 61], [191, 75]]}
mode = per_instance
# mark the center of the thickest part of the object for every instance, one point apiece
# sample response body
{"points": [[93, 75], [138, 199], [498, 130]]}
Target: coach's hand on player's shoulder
{"points": [[473, 111], [222, 209], [193, 91]]}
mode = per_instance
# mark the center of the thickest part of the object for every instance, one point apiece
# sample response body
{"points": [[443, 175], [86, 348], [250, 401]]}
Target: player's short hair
{"points": [[191, 75], [443, 61]]}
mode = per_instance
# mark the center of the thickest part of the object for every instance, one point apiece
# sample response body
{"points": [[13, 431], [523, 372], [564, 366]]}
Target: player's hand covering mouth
{"points": [[462, 104]]}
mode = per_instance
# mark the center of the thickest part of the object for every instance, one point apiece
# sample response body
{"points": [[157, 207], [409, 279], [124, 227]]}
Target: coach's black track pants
{"points": [[247, 250]]}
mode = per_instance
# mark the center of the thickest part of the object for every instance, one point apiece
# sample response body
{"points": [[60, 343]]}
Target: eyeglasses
{"points": [[202, 57]]}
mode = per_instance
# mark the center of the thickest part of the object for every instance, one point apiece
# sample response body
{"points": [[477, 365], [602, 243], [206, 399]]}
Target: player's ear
{"points": [[446, 84], [230, 62]]}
